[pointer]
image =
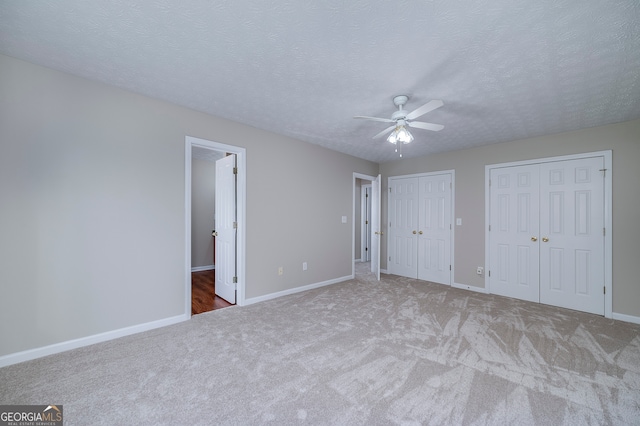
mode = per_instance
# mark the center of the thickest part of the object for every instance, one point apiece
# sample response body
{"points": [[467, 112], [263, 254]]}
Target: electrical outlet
{"points": [[479, 270], [304, 266], [280, 270]]}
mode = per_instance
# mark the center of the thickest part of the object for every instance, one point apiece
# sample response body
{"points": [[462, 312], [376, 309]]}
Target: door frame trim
{"points": [[241, 163], [608, 222], [451, 172], [356, 176]]}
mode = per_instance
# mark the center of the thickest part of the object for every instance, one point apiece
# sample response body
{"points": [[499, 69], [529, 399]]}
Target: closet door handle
{"points": [[420, 232], [545, 239], [414, 232], [534, 239]]}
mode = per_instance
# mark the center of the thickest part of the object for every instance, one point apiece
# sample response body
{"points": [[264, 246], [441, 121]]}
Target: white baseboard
{"points": [[470, 287], [295, 290], [203, 268], [626, 318], [30, 354]]}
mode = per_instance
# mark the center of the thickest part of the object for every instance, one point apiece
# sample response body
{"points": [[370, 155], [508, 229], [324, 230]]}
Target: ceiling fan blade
{"points": [[384, 131], [426, 126], [384, 120], [429, 106]]}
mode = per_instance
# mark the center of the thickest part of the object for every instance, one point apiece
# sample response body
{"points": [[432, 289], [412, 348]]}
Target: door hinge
{"points": [[489, 272], [604, 289], [489, 182], [489, 227], [366, 222], [604, 172], [389, 258], [235, 280], [389, 189], [235, 225], [235, 170], [449, 267], [604, 232], [366, 195]]}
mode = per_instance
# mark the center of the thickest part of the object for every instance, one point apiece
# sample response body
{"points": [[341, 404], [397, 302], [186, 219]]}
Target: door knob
{"points": [[534, 239], [420, 232], [414, 232], [545, 239]]}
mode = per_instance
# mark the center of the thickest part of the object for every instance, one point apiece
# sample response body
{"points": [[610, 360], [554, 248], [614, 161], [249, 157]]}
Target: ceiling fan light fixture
{"points": [[400, 134]]}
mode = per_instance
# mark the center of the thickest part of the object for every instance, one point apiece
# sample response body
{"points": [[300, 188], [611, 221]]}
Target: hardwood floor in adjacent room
{"points": [[203, 293]]}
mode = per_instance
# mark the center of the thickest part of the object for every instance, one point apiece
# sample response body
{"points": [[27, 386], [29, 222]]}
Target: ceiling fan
{"points": [[401, 118]]}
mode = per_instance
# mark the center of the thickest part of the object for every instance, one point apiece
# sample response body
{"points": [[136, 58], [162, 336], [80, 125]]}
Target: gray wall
{"points": [[203, 194], [469, 165], [92, 214]]}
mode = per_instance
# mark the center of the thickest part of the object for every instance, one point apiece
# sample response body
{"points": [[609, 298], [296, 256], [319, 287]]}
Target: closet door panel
{"points": [[403, 221], [434, 231], [514, 220], [572, 239]]}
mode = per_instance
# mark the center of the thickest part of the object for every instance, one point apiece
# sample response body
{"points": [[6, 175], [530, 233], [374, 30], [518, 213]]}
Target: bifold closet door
{"points": [[572, 234], [403, 218], [546, 231], [420, 227], [514, 229], [434, 229]]}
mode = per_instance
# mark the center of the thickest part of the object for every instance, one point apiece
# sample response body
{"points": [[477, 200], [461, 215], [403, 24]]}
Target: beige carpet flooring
{"points": [[362, 352]]}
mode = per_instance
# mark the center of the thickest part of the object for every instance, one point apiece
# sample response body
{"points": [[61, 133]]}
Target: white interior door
{"points": [[513, 230], [546, 233], [226, 228], [365, 246], [403, 227], [434, 229], [376, 232], [572, 238]]}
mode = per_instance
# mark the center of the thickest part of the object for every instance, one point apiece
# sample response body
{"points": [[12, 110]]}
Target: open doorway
{"points": [[204, 194], [362, 221], [204, 266]]}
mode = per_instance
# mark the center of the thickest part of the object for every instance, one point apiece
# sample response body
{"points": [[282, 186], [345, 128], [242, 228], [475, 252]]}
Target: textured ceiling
{"points": [[505, 69]]}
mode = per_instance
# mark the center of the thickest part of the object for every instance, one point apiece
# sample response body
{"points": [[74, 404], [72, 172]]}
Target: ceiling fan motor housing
{"points": [[399, 115]]}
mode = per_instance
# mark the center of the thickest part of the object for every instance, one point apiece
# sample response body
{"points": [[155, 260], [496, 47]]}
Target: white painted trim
{"points": [[30, 354], [203, 268], [241, 202], [626, 318], [187, 226], [451, 172], [470, 287], [356, 175], [608, 221], [275, 295]]}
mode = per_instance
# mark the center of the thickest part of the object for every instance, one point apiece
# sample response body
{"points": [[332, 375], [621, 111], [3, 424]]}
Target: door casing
{"points": [[356, 176], [241, 163]]}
